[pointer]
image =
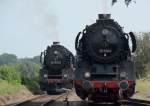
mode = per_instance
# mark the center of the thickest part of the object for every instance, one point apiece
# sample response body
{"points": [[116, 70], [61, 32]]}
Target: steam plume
{"points": [[45, 19], [105, 7]]}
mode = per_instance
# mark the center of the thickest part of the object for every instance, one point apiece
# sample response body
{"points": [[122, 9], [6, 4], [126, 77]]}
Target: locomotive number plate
{"points": [[105, 51], [55, 62]]}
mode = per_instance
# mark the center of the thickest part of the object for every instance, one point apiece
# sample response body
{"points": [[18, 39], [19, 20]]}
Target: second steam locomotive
{"points": [[57, 69], [104, 64]]}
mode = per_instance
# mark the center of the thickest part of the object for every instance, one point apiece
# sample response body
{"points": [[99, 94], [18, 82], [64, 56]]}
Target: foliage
{"points": [[28, 69], [142, 54], [29, 72], [10, 74], [32, 84], [36, 59], [8, 59], [20, 71], [127, 2]]}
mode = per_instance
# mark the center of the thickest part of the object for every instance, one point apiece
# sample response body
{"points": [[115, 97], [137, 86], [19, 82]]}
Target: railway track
{"points": [[54, 100], [130, 102], [134, 102], [29, 100], [42, 100]]}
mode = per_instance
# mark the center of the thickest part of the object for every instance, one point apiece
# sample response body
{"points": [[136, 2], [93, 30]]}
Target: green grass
{"points": [[6, 88], [143, 87]]}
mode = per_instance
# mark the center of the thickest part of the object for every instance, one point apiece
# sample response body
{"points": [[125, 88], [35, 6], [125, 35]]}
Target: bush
{"points": [[16, 71], [29, 72], [32, 85], [28, 69], [10, 74]]}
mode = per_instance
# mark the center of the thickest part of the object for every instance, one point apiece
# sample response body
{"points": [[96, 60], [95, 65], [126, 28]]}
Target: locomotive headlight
{"points": [[123, 74], [45, 75], [105, 31], [87, 75], [65, 75]]}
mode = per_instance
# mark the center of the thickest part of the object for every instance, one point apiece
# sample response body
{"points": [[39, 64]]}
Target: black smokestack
{"points": [[56, 43], [104, 16]]}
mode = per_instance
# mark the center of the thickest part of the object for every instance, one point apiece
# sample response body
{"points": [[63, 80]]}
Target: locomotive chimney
{"points": [[104, 16], [56, 43]]}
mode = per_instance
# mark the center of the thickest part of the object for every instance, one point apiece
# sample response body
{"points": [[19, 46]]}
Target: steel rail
{"points": [[139, 102], [29, 100], [134, 102], [53, 100]]}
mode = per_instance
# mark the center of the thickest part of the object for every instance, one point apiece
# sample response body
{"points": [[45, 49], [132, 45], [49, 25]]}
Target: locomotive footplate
{"points": [[95, 84]]}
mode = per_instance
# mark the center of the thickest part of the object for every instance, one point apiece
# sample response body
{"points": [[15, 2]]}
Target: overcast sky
{"points": [[28, 26]]}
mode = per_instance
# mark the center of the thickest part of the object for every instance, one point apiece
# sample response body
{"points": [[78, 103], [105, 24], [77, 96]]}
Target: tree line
{"points": [[23, 71], [142, 55]]}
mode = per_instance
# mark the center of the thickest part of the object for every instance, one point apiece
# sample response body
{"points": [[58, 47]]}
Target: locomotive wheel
{"points": [[117, 104], [42, 86], [125, 95], [81, 93], [131, 91], [51, 92]]}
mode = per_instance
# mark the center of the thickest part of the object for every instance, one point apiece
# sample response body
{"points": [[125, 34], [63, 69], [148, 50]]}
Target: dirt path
{"points": [[141, 96], [19, 96]]}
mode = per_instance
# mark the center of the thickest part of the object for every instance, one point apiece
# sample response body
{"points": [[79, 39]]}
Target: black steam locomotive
{"points": [[57, 69], [104, 64]]}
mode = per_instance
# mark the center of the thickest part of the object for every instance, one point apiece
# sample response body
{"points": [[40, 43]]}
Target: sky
{"points": [[27, 27]]}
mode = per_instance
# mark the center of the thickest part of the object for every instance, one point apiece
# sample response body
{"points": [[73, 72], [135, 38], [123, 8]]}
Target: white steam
{"points": [[105, 6], [44, 19]]}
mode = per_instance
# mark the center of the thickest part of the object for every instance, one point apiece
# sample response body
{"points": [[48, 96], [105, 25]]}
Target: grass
{"points": [[6, 88], [143, 87]]}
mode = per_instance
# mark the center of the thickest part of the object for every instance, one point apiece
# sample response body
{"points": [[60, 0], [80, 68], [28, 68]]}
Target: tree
{"points": [[29, 72], [36, 59], [10, 74], [24, 71], [28, 69], [8, 59], [142, 54], [127, 2]]}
